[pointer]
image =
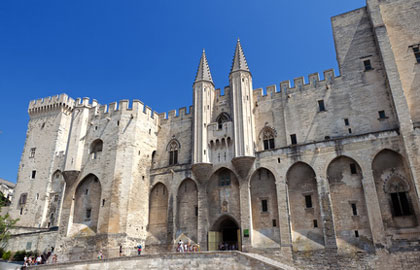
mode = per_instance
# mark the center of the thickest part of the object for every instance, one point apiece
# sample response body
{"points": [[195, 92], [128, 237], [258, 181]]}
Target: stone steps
{"points": [[270, 261], [233, 260]]}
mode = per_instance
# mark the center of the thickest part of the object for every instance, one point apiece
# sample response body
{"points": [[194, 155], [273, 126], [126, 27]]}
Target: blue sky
{"points": [[149, 50]]}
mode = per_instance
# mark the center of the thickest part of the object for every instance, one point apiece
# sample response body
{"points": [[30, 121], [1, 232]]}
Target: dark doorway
{"points": [[225, 235]]}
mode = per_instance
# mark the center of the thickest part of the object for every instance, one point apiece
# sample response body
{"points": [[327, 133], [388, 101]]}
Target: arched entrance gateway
{"points": [[225, 234]]}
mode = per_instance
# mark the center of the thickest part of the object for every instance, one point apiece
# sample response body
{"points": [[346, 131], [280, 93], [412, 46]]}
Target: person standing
{"points": [[181, 245], [139, 247]]}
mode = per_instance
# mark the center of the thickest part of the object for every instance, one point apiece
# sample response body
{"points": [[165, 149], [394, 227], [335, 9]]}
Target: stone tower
{"points": [[241, 91], [203, 97], [39, 184]]}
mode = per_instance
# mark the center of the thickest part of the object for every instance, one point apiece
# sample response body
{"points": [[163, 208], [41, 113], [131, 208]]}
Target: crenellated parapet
{"points": [[99, 111], [286, 89], [175, 115], [44, 105]]}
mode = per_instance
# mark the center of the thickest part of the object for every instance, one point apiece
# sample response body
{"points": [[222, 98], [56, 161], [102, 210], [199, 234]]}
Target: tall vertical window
{"points": [[346, 122], [96, 148], [354, 209], [222, 118], [416, 51], [264, 206], [321, 105], [293, 139], [33, 174], [173, 152], [382, 115], [353, 168], [308, 201], [32, 152]]}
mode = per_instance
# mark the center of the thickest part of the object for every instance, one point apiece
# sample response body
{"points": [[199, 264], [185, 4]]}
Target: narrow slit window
{"points": [[293, 139], [353, 168], [274, 222], [33, 174], [400, 204], [196, 211], [315, 223], [88, 213], [321, 105], [350, 131], [416, 51], [264, 206], [32, 152], [356, 233], [354, 209], [308, 201], [346, 122]]}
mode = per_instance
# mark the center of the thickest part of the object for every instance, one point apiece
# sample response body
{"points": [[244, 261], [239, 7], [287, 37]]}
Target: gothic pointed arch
{"points": [[223, 194], [87, 200], [351, 221], [267, 137], [305, 216], [158, 212], [173, 148], [222, 118], [395, 189], [264, 206], [187, 209]]}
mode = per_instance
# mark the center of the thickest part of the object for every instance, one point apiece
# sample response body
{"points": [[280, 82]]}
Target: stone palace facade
{"points": [[316, 164]]}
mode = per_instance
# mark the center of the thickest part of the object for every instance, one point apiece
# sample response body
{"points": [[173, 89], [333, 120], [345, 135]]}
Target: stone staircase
{"points": [[232, 260], [270, 261]]}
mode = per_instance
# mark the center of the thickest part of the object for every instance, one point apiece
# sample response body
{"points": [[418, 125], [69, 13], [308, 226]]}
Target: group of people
{"points": [[138, 248], [37, 260], [187, 247], [227, 246]]}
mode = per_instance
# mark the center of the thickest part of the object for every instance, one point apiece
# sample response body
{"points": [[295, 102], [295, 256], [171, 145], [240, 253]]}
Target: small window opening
{"points": [[87, 191], [274, 222], [32, 152], [368, 65], [346, 122], [196, 211], [356, 233], [88, 213], [327, 137], [103, 202], [400, 204], [96, 127], [33, 174], [264, 206], [350, 131], [118, 123], [278, 160], [354, 209], [21, 210], [293, 138], [382, 115], [416, 51], [224, 178], [308, 201], [353, 168], [321, 105], [315, 223], [150, 131], [37, 196], [142, 177]]}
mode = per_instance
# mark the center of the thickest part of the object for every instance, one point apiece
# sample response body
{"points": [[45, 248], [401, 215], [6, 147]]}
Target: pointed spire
{"points": [[203, 72], [239, 61]]}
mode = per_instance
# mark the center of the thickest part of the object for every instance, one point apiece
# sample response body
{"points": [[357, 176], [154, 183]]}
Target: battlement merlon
{"points": [[299, 84], [175, 115], [62, 102]]}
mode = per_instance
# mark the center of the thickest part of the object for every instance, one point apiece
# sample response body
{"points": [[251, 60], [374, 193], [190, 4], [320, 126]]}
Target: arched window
{"points": [[173, 147], [223, 117], [398, 190], [96, 148], [268, 135]]}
